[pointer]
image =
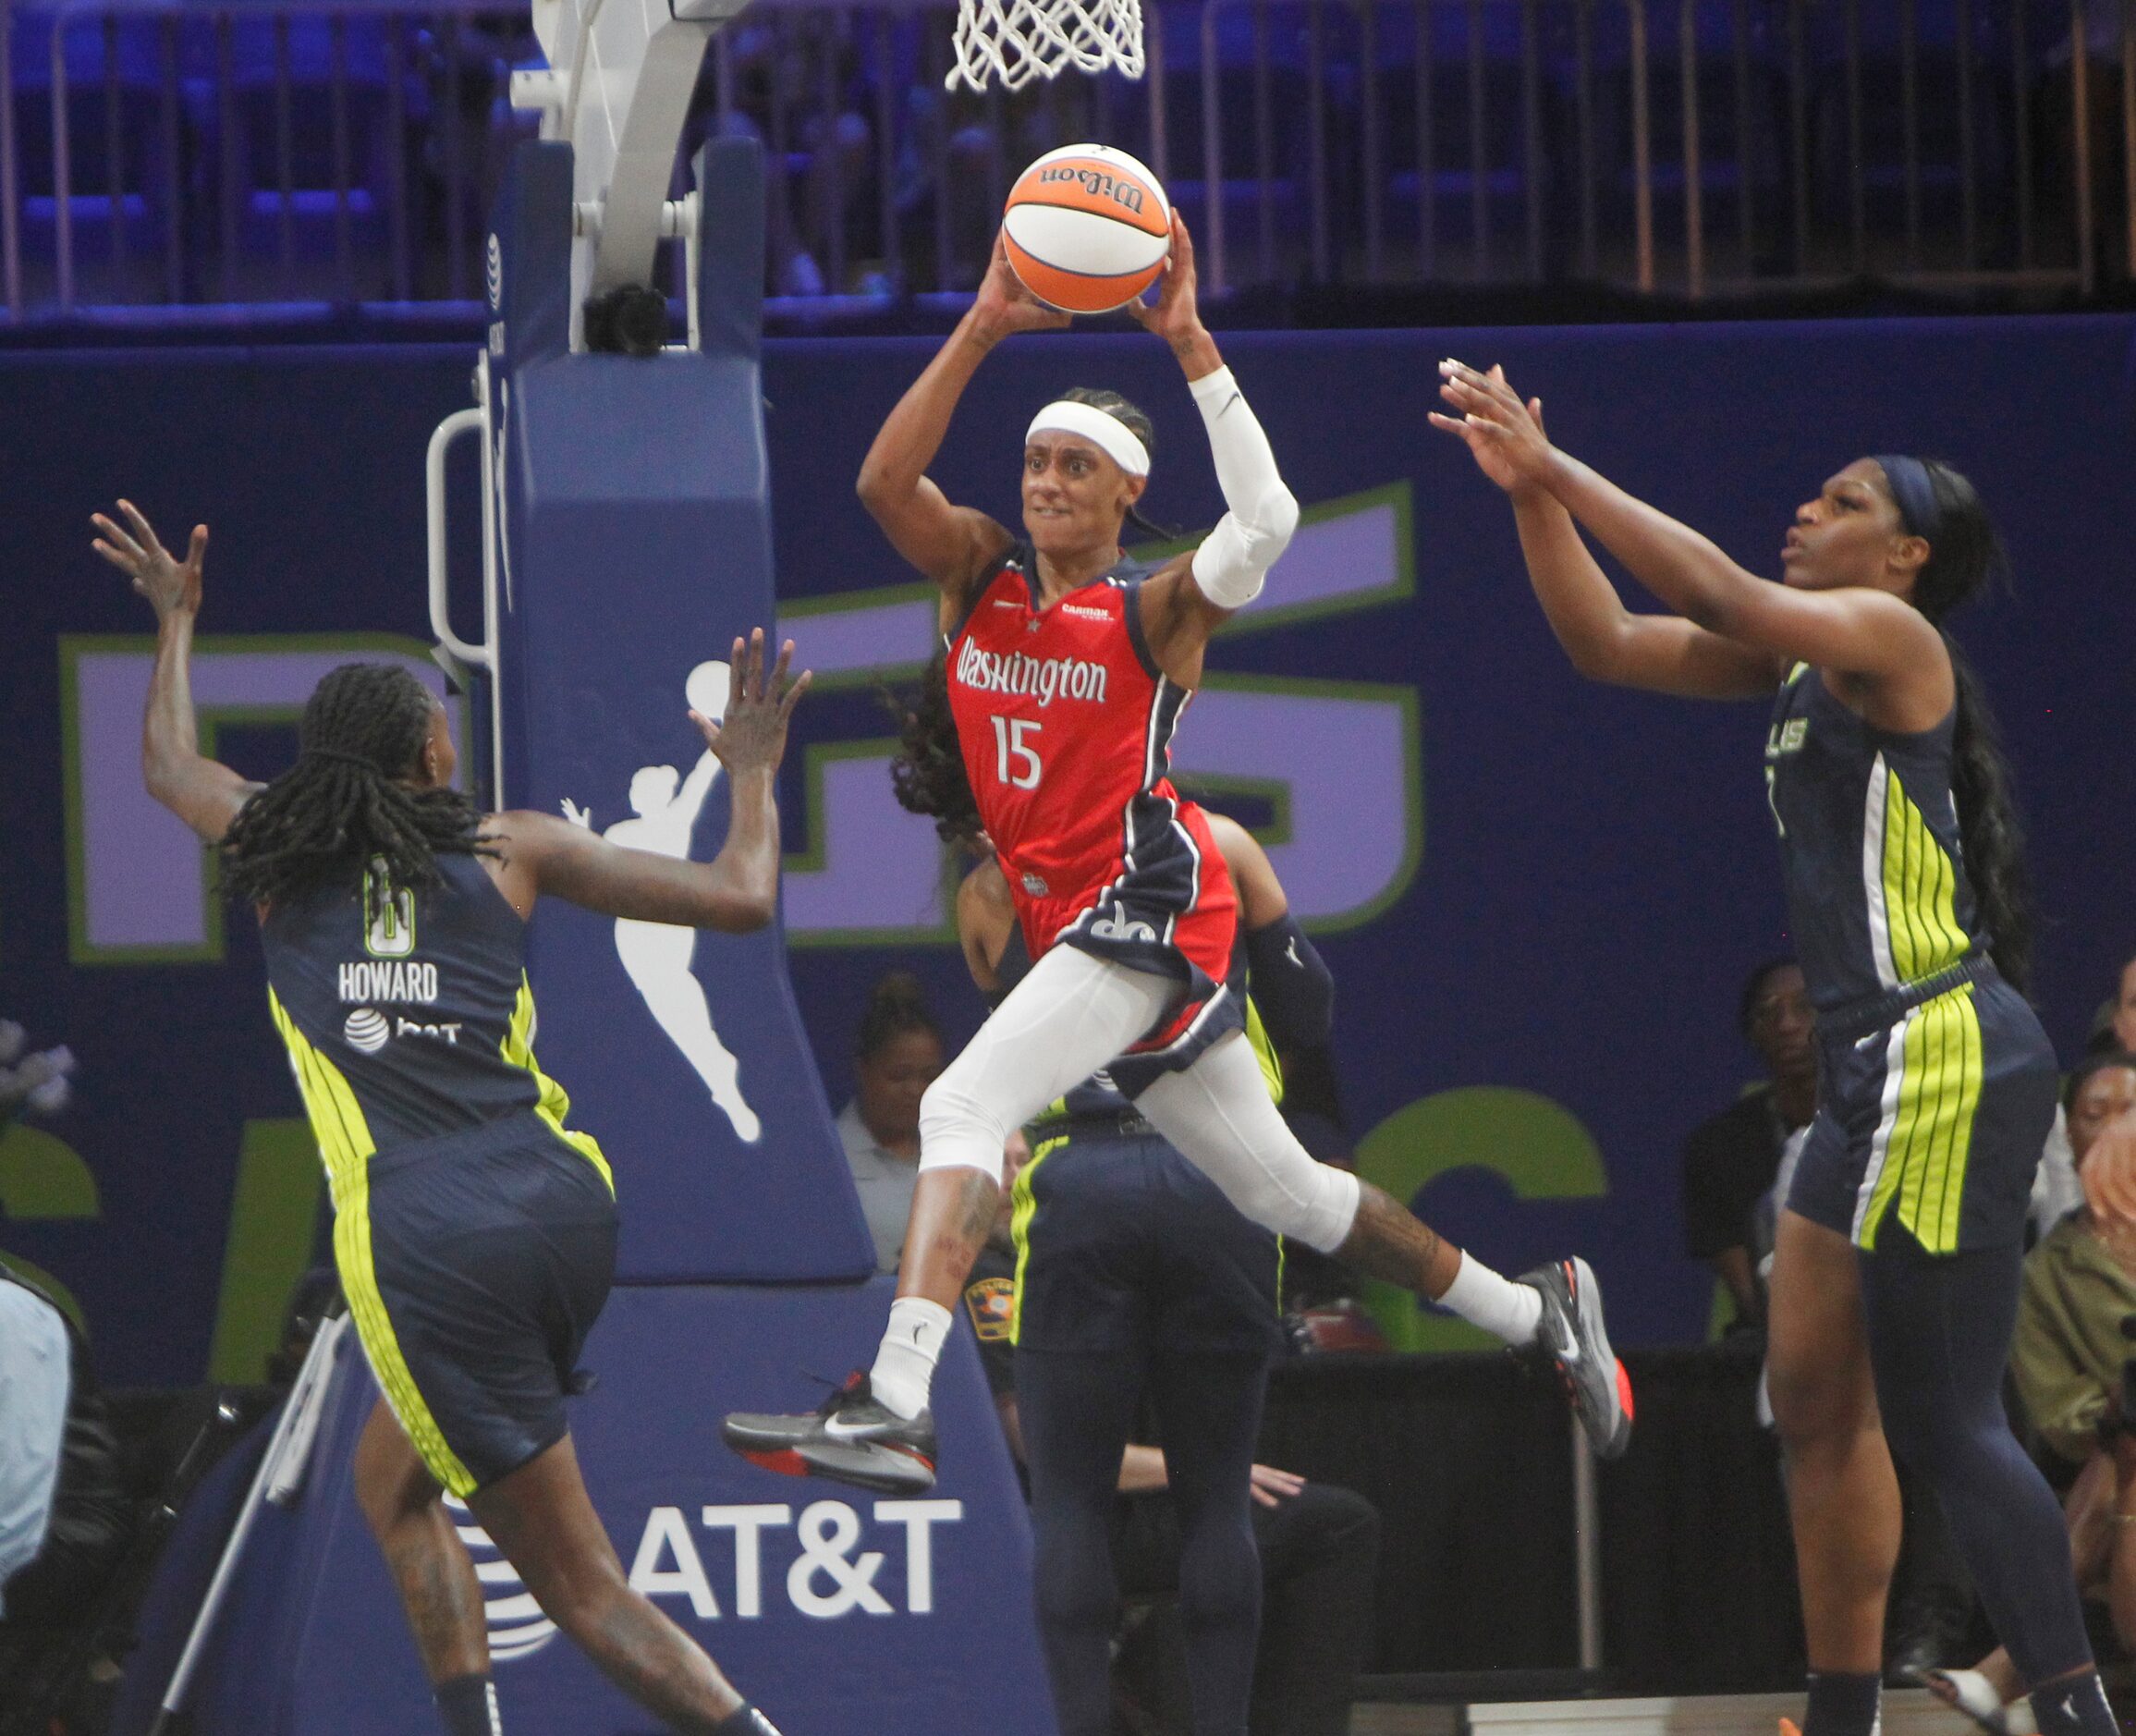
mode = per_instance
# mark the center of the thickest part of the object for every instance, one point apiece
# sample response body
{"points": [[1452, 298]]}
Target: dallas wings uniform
{"points": [[1066, 725], [474, 1233], [1938, 1082]]}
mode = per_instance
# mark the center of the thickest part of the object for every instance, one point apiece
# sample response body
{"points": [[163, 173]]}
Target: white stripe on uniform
{"points": [[1872, 872], [1886, 1114]]}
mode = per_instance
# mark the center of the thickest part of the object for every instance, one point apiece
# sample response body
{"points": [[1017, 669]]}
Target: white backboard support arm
{"points": [[620, 91]]}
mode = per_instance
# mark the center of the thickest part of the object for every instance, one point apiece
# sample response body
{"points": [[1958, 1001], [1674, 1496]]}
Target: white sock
{"points": [[1505, 1310], [905, 1360]]}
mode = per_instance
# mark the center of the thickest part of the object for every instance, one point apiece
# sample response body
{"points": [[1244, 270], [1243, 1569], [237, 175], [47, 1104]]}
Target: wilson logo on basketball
{"points": [[1097, 184]]}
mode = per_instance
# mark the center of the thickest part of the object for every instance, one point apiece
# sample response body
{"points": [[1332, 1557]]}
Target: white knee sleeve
{"points": [[1219, 1115], [1066, 1018]]}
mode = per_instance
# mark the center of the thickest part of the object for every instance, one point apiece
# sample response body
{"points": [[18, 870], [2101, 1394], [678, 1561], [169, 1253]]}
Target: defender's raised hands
{"points": [[1503, 434], [753, 735], [157, 574]]}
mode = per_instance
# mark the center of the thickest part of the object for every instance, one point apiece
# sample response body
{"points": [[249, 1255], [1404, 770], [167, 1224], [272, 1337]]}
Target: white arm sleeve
{"points": [[1236, 556]]}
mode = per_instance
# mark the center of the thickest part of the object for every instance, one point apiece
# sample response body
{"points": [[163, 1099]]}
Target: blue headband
{"points": [[1914, 493]]}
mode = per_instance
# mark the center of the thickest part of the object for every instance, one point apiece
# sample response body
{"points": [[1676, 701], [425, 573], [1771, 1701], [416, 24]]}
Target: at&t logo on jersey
{"points": [[366, 1030], [1044, 679]]}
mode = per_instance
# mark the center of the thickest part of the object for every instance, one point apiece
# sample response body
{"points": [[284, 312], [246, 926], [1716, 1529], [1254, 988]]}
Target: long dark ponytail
{"points": [[345, 804], [1964, 557]]}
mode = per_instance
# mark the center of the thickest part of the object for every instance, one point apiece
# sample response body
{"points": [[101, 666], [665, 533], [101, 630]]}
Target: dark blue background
{"points": [[1597, 872]]}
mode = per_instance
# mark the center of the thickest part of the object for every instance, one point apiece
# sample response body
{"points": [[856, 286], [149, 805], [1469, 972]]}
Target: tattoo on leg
{"points": [[1390, 1242], [976, 1205], [442, 1599], [659, 1665]]}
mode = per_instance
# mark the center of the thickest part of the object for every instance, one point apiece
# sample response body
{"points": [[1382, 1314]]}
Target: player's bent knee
{"points": [[1306, 1200], [959, 1129]]}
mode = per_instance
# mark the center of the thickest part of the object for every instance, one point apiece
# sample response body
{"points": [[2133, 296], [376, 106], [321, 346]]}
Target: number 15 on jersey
{"points": [[1015, 760]]}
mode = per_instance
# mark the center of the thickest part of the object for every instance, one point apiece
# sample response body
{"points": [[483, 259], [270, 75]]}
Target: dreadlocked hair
{"points": [[927, 772], [346, 803], [1965, 557], [1137, 424]]}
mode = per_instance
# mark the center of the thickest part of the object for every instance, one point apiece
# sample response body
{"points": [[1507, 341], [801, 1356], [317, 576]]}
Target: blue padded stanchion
{"points": [[635, 545]]}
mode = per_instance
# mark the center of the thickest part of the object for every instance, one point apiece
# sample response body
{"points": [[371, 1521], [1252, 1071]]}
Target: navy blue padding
{"points": [[314, 1642], [637, 546]]}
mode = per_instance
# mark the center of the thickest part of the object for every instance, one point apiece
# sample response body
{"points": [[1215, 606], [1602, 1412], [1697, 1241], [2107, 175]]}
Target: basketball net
{"points": [[1017, 41]]}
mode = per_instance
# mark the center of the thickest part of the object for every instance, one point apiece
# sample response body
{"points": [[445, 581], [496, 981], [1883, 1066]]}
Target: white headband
{"points": [[1101, 428]]}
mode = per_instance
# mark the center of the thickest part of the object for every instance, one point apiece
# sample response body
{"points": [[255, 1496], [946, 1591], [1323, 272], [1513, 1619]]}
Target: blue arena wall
{"points": [[1538, 896]]}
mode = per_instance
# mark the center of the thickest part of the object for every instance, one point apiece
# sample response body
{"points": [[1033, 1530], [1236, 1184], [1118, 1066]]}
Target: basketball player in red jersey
{"points": [[1068, 667]]}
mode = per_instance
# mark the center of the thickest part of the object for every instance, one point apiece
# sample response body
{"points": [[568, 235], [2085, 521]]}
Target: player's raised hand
{"points": [[1004, 305], [1176, 314], [1503, 434], [753, 736], [158, 575]]}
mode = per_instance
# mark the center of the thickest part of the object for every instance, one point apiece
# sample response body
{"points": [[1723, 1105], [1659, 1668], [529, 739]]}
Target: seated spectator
{"points": [[2114, 1025], [896, 1059], [2068, 1361], [1729, 1162], [64, 1514]]}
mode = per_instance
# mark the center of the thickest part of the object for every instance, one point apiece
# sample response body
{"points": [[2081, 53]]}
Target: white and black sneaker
{"points": [[1575, 1342], [850, 1438]]}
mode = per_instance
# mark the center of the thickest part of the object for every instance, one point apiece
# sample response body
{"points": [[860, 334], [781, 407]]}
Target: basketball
{"points": [[1087, 229]]}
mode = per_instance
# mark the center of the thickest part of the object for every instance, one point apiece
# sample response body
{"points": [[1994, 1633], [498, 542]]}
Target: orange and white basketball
{"points": [[1087, 229]]}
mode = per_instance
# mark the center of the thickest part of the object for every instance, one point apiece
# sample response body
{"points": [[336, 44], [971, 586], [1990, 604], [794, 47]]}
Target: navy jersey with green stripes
{"points": [[412, 1023], [1869, 840]]}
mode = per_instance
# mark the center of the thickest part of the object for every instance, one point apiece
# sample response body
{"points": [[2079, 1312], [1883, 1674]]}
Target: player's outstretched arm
{"points": [[1290, 983], [737, 890], [204, 793], [1664, 654], [1862, 632], [1194, 595], [951, 545]]}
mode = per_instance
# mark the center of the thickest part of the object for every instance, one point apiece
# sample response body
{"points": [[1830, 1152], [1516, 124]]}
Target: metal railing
{"points": [[175, 154]]}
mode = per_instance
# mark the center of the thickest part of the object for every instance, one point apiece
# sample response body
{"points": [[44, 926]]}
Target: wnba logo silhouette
{"points": [[656, 955]]}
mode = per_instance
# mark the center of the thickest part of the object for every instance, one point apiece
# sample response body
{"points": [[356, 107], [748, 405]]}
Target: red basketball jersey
{"points": [[1065, 726]]}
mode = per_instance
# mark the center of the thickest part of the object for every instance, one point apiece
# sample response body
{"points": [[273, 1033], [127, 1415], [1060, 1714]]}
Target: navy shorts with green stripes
{"points": [[1932, 1119], [491, 1253], [1124, 1245]]}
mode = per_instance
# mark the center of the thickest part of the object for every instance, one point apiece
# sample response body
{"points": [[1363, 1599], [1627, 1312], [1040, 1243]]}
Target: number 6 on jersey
{"points": [[1010, 736]]}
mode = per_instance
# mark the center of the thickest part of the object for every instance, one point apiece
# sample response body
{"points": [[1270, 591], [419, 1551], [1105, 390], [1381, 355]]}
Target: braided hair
{"points": [[1965, 557], [927, 772], [346, 803]]}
